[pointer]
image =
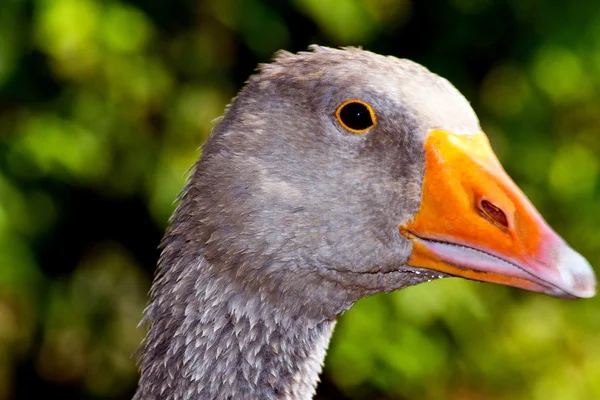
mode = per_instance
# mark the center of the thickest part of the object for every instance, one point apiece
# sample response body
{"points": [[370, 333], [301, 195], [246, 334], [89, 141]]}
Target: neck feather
{"points": [[208, 339]]}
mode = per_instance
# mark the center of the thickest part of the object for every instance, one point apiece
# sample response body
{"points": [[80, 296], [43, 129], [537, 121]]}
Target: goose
{"points": [[335, 174]]}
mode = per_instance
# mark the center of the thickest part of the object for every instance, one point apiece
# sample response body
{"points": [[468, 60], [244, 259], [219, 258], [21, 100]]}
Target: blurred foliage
{"points": [[104, 104]]}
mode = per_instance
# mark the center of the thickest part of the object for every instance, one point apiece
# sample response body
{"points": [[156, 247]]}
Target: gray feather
{"points": [[286, 221]]}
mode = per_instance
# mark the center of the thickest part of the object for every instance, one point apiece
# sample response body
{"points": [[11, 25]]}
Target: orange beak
{"points": [[475, 223]]}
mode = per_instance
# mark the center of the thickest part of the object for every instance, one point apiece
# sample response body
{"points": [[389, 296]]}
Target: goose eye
{"points": [[356, 116]]}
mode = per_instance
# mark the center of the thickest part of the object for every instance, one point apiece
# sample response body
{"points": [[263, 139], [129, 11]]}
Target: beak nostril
{"points": [[494, 213]]}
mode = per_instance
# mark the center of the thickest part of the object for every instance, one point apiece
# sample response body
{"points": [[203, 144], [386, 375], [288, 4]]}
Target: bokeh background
{"points": [[103, 107]]}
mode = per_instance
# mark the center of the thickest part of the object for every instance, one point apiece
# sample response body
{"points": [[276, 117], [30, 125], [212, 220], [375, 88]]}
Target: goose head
{"points": [[334, 175]]}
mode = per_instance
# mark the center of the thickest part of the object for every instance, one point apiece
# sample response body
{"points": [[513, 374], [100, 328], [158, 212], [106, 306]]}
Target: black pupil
{"points": [[356, 116]]}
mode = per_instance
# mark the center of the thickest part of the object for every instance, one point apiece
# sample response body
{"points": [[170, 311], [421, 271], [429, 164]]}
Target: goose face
{"points": [[336, 174]]}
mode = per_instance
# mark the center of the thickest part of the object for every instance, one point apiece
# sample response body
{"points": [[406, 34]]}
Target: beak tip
{"points": [[576, 273]]}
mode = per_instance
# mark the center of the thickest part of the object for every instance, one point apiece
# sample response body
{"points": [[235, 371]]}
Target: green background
{"points": [[103, 107]]}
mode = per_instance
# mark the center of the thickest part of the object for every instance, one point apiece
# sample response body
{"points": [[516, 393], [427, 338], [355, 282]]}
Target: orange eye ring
{"points": [[356, 116]]}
